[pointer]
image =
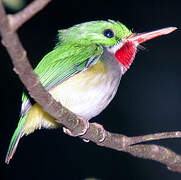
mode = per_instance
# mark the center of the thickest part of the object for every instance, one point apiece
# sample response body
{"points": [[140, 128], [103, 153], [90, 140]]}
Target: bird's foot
{"points": [[83, 131], [102, 131]]}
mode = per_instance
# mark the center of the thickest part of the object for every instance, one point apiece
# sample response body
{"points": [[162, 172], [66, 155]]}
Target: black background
{"points": [[148, 99]]}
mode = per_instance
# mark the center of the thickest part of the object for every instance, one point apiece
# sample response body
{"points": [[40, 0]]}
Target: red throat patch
{"points": [[126, 54]]}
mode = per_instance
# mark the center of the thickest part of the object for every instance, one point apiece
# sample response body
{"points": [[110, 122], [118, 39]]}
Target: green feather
{"points": [[15, 139], [65, 61]]}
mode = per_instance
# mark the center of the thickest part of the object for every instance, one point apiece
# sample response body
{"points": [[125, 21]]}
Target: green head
{"points": [[113, 35], [106, 33]]}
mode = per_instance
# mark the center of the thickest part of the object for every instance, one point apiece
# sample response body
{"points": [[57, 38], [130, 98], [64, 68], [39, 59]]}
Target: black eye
{"points": [[108, 33]]}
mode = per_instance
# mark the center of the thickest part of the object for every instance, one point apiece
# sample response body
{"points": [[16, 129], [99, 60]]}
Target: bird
{"points": [[82, 72]]}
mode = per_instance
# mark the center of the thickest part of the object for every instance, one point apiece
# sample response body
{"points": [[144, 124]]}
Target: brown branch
{"points": [[18, 19], [23, 68], [157, 153]]}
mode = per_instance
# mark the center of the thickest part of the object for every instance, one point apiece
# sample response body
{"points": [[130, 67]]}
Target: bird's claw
{"points": [[103, 133], [84, 130], [86, 126]]}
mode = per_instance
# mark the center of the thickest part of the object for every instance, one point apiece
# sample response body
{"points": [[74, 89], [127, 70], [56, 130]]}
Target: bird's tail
{"points": [[15, 139], [35, 118]]}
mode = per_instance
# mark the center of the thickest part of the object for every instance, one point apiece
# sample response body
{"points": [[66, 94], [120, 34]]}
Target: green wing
{"points": [[65, 61], [62, 63]]}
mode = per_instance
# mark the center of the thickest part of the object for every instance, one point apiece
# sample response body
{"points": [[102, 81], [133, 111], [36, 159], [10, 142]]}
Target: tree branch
{"points": [[8, 26], [27, 13]]}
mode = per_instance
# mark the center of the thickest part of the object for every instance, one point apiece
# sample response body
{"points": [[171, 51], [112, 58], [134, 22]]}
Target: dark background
{"points": [[148, 99]]}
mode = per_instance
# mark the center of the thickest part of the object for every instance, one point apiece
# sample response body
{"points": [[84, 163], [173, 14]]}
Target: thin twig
{"points": [[18, 19], [156, 136], [62, 115]]}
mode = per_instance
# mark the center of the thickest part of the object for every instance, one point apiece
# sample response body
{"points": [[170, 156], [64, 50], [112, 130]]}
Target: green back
{"points": [[65, 61]]}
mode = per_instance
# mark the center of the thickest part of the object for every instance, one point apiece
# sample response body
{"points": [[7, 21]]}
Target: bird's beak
{"points": [[138, 38]]}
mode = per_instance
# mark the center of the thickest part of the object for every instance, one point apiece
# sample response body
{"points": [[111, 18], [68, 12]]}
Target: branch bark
{"points": [[8, 26]]}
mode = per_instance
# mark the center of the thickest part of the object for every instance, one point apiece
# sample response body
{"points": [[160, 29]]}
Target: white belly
{"points": [[89, 92]]}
